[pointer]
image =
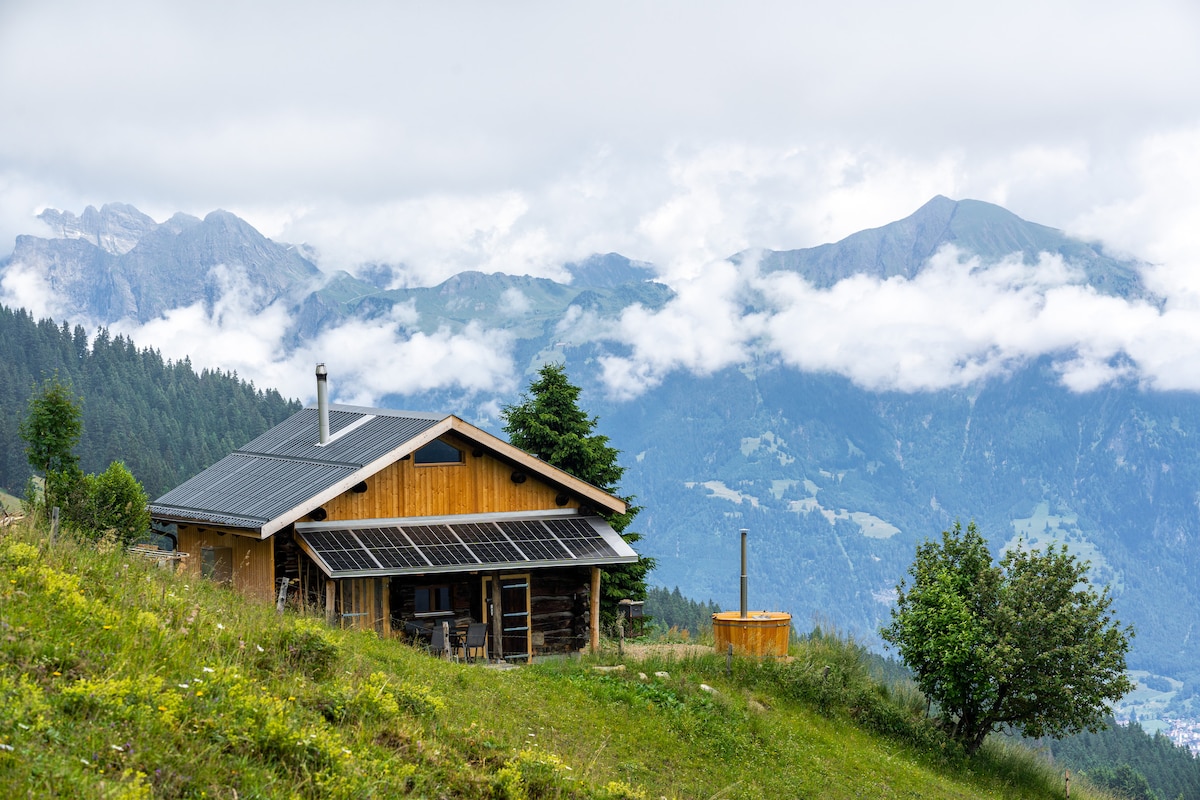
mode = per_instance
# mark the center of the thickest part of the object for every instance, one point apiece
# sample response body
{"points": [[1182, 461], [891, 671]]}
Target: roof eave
{"points": [[181, 517]]}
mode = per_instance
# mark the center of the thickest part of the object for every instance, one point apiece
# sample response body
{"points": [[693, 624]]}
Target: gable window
{"points": [[432, 600], [438, 452]]}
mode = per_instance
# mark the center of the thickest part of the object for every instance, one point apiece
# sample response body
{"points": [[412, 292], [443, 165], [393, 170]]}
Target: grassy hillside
{"points": [[121, 679]]}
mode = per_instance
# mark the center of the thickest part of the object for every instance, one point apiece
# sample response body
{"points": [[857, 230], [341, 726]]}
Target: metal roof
{"points": [[286, 467], [462, 543]]}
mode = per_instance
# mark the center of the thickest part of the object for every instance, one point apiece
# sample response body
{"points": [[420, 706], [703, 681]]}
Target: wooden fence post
{"points": [[282, 599], [497, 619], [594, 611]]}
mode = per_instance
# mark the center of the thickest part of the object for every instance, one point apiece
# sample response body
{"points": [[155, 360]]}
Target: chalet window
{"points": [[216, 563], [432, 600], [438, 452]]}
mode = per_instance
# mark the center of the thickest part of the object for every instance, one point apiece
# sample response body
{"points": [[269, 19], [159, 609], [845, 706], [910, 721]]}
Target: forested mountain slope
{"points": [[163, 419]]}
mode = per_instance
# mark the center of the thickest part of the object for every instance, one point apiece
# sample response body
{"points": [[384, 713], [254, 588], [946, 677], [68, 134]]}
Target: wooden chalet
{"points": [[391, 519]]}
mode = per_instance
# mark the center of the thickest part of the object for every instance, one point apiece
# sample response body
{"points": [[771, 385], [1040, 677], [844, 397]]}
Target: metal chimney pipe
{"points": [[323, 401], [745, 582]]}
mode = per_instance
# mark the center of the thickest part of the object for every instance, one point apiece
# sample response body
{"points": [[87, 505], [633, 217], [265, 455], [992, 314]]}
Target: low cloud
{"points": [[958, 322], [26, 286], [367, 359], [378, 360], [706, 327]]}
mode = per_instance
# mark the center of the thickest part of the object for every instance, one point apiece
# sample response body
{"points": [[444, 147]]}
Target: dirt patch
{"points": [[676, 651]]}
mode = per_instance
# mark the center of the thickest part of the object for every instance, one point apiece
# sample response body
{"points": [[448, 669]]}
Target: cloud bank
{"points": [[958, 322], [442, 138]]}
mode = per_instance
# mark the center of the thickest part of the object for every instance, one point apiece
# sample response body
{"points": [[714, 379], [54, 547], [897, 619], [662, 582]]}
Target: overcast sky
{"points": [[518, 136]]}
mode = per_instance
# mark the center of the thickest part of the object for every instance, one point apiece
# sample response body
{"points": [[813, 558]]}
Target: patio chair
{"points": [[437, 643], [475, 641]]}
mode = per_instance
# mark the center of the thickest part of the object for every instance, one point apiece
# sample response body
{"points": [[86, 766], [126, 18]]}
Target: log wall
{"points": [[558, 600]]}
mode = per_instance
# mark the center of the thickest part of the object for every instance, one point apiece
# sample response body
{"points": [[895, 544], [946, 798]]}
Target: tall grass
{"points": [[121, 679]]}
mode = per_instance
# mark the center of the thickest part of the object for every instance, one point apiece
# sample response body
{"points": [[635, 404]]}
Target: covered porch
{"points": [[532, 577]]}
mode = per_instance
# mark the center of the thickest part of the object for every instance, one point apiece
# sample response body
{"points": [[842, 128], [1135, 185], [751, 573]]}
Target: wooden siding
{"points": [[252, 562], [481, 484], [363, 604]]}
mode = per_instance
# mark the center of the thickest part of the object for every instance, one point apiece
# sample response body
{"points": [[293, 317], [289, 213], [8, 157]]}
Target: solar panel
{"points": [[488, 543], [439, 545], [452, 546], [535, 540], [391, 548], [580, 538], [340, 551]]}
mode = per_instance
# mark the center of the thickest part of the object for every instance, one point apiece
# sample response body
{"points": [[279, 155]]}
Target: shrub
{"points": [[306, 646], [378, 698], [531, 775]]}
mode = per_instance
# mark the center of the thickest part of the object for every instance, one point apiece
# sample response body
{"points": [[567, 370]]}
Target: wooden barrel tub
{"points": [[763, 634]]}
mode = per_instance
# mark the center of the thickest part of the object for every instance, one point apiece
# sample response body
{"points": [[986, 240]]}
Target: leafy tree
{"points": [[51, 429], [94, 504], [1027, 644], [549, 423], [113, 501]]}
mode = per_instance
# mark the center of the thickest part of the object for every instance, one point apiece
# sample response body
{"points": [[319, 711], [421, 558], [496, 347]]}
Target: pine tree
{"points": [[549, 423]]}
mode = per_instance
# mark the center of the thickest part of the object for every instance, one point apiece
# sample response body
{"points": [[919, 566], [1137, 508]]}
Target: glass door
{"points": [[515, 619]]}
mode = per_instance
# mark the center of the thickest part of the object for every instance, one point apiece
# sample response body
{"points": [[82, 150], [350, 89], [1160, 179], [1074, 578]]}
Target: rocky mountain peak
{"points": [[903, 248], [116, 228]]}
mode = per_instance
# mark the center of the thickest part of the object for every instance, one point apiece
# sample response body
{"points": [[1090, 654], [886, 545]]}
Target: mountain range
{"points": [[837, 483]]}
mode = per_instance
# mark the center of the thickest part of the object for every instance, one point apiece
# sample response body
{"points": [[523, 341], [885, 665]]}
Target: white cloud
{"points": [[367, 359], [439, 139], [958, 322], [25, 286], [703, 329], [372, 360], [514, 303]]}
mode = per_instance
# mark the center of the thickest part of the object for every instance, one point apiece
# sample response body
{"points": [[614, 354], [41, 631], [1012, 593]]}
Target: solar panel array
{"points": [[417, 548]]}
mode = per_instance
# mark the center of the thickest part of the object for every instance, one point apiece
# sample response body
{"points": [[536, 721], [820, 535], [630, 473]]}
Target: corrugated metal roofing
{"points": [[380, 433], [467, 542], [286, 466]]}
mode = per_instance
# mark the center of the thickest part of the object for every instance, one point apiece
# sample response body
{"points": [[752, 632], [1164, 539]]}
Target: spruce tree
{"points": [[549, 424]]}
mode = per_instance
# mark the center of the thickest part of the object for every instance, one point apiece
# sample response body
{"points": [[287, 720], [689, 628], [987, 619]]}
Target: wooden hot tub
{"points": [[763, 634]]}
